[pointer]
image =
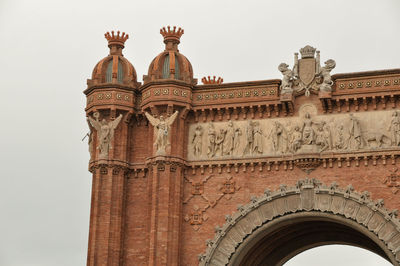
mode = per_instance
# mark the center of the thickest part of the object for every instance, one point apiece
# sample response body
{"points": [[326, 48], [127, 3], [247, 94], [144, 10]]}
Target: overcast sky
{"points": [[49, 49]]}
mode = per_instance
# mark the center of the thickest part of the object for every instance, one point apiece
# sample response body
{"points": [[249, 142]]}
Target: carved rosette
{"points": [[307, 195]]}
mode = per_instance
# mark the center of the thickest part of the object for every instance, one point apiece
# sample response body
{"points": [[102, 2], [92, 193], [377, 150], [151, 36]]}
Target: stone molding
{"points": [[307, 195]]}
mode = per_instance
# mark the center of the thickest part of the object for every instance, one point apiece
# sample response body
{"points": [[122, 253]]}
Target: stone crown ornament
{"points": [[171, 35], [214, 80], [307, 51], [118, 39]]}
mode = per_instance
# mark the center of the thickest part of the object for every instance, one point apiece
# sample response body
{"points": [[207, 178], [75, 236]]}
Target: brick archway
{"points": [[326, 214]]}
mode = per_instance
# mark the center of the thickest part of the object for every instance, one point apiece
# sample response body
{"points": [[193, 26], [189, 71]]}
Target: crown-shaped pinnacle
{"points": [[171, 35], [117, 39], [208, 80]]}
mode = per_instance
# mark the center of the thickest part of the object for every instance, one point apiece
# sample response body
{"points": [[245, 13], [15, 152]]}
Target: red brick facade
{"points": [[156, 203]]}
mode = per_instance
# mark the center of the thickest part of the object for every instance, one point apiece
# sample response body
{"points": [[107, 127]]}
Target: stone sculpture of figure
{"points": [[394, 129], [295, 139], [238, 134], [229, 139], [279, 137], [320, 139], [257, 145], [212, 137], [328, 135], [340, 141], [105, 133], [355, 139], [197, 141], [249, 138], [326, 75], [286, 85], [219, 141], [308, 131], [163, 126]]}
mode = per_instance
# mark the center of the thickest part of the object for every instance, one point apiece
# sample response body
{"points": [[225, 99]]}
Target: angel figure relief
{"points": [[162, 125], [105, 133]]}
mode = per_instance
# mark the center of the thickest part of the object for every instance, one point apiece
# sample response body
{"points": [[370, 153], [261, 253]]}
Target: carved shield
{"points": [[307, 70]]}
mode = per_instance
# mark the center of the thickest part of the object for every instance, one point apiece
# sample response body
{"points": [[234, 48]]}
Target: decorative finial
{"points": [[171, 35], [118, 40], [208, 80], [307, 51]]}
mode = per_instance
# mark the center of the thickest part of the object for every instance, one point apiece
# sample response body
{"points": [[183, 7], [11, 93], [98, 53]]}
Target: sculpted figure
{"points": [[162, 125], [105, 133], [287, 79], [340, 141], [257, 147], [279, 137], [219, 141], [238, 134], [197, 140], [308, 131], [229, 139], [295, 139], [212, 137], [321, 139], [328, 135], [394, 129], [249, 138], [355, 139], [325, 73]]}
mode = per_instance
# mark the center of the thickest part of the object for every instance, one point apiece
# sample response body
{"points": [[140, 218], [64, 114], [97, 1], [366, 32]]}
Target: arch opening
{"points": [[337, 254], [278, 225], [279, 241]]}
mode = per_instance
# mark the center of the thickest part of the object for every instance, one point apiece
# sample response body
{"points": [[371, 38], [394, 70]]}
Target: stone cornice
{"points": [[366, 73]]}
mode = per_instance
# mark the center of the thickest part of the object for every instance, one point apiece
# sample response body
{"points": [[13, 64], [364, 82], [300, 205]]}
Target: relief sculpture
{"points": [[305, 134]]}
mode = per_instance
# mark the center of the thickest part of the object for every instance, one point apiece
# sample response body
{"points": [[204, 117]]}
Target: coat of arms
{"points": [[307, 74]]}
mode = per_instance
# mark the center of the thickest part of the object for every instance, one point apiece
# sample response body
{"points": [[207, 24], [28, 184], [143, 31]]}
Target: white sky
{"points": [[49, 49]]}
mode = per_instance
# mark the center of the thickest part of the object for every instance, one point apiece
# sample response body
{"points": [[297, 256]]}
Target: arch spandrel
{"points": [[316, 200]]}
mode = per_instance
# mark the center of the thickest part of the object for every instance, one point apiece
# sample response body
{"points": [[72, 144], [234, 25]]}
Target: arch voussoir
{"points": [[307, 195]]}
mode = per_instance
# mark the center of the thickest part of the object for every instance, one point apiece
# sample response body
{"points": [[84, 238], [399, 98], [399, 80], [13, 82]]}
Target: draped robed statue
{"points": [[162, 125], [105, 133]]}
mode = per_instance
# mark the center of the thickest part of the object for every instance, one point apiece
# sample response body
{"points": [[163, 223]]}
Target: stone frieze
{"points": [[307, 133]]}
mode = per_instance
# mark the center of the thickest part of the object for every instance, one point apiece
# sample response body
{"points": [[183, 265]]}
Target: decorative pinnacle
{"points": [[118, 40], [171, 35], [208, 80]]}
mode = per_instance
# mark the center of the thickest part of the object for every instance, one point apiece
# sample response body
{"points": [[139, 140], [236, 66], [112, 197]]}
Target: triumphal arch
{"points": [[244, 173]]}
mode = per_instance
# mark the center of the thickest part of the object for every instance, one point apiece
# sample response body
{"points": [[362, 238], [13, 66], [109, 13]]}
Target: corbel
{"points": [[260, 110], [356, 104], [365, 160], [211, 114], [220, 113], [228, 112], [365, 102], [357, 160], [268, 109], [243, 110], [251, 111], [383, 159], [374, 102], [235, 113], [184, 112], [204, 115], [276, 108], [338, 105]]}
